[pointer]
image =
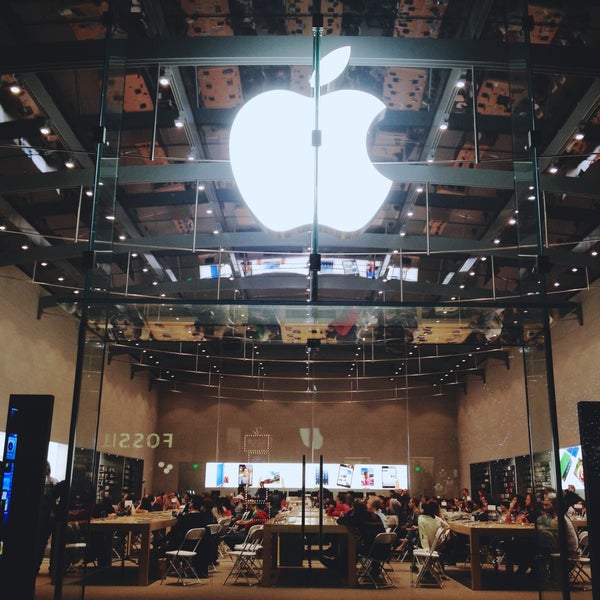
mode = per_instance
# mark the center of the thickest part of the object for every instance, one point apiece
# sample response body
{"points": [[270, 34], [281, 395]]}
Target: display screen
{"points": [[289, 475], [245, 474], [7, 477], [367, 477], [388, 477], [345, 473], [571, 467], [318, 477]]}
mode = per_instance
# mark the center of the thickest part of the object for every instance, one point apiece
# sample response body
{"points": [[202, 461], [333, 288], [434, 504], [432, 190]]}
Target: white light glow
{"points": [[272, 159]]}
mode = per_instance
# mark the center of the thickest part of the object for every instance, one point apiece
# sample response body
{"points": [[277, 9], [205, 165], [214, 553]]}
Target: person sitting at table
{"points": [[503, 511], [518, 551], [199, 515], [375, 504], [98, 548], [171, 502], [408, 533], [238, 508], [570, 499], [238, 532], [532, 507], [338, 508], [428, 523], [146, 503], [104, 507], [364, 522], [517, 512], [158, 501]]}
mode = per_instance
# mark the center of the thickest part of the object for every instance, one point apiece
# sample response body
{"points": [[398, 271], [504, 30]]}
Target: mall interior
{"points": [[212, 267]]}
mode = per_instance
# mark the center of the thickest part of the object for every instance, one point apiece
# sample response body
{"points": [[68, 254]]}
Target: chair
{"points": [[246, 560], [75, 549], [577, 565], [222, 547], [214, 529], [371, 570], [428, 562], [180, 561]]}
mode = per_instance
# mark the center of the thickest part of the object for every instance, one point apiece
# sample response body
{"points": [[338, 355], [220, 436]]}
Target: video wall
{"points": [[289, 476]]}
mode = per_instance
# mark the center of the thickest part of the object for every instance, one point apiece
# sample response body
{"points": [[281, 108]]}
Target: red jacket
{"points": [[258, 518]]}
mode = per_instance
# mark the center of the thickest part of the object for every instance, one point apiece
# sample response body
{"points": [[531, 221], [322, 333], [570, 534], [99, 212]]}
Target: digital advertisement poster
{"points": [[289, 476], [571, 467]]}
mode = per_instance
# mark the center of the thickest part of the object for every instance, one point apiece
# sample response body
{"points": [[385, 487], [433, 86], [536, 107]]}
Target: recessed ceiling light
{"points": [[15, 89], [45, 129], [496, 240], [410, 213], [553, 169], [556, 284], [579, 135], [24, 247], [594, 253], [70, 163]]}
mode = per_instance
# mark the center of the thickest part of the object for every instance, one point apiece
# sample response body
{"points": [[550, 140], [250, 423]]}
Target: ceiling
{"points": [[458, 235]]}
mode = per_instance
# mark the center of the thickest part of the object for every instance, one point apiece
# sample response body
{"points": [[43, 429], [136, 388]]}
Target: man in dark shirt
{"points": [[199, 515]]}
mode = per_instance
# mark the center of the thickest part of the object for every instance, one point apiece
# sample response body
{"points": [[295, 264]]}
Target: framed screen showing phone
{"points": [[345, 473], [388, 477]]}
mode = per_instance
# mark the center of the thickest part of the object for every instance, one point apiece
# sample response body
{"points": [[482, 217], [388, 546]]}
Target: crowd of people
{"points": [[415, 520]]}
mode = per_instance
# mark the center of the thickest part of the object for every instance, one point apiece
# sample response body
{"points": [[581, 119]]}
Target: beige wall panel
{"points": [[38, 355]]}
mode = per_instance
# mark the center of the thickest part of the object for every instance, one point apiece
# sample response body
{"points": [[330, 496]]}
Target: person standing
{"points": [[47, 515]]}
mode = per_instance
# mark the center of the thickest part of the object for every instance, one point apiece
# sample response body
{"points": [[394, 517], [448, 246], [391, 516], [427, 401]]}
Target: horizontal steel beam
{"points": [[296, 50], [221, 171]]}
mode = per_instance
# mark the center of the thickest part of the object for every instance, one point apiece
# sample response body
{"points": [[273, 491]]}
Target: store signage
{"points": [[137, 440]]}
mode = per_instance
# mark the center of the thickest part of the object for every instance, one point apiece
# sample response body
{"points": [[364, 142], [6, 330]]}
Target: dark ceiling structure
{"points": [[443, 278]]}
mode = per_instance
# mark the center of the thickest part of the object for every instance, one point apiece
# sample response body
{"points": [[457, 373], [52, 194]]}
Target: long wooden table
{"points": [[278, 536], [143, 524], [475, 530]]}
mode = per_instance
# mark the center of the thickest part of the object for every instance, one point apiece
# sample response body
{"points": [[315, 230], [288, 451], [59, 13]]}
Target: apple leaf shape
{"points": [[332, 66]]}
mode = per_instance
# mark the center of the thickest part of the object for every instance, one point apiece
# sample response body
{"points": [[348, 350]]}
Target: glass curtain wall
{"points": [[209, 359]]}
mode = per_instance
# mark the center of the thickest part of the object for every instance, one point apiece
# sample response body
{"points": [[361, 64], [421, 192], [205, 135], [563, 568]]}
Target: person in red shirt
{"points": [[238, 534], [257, 516], [339, 508]]}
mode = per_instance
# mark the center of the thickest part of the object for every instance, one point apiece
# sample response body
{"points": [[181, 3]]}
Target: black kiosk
{"points": [[23, 474]]}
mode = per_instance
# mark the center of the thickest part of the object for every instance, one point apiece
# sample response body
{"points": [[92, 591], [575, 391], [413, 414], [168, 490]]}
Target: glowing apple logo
{"points": [[273, 160]]}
